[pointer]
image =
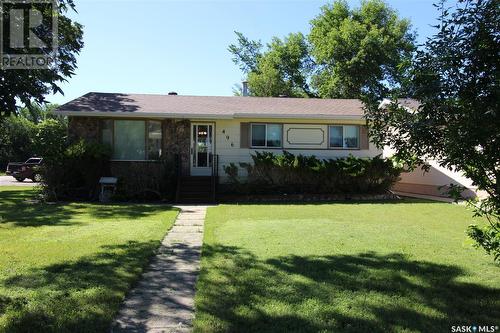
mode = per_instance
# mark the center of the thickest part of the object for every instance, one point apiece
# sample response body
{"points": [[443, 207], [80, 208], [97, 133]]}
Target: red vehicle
{"points": [[29, 169]]}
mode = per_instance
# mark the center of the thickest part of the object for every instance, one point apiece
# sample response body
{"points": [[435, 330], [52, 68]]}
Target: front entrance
{"points": [[202, 149]]}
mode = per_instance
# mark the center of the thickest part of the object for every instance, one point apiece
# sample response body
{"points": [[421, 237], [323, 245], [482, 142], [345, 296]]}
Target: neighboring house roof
{"points": [[213, 107], [409, 103]]}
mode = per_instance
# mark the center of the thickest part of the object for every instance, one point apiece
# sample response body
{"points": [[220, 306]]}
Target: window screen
{"points": [[351, 136], [274, 135], [258, 135], [129, 140], [336, 136], [154, 140]]}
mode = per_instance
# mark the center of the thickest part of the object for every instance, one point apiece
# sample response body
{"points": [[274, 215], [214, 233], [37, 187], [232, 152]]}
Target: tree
{"points": [[246, 53], [38, 113], [29, 86], [16, 140], [359, 47], [456, 79], [50, 139], [345, 51], [282, 70], [17, 134]]}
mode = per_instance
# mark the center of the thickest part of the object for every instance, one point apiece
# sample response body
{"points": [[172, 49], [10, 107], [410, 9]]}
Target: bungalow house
{"points": [[209, 132]]}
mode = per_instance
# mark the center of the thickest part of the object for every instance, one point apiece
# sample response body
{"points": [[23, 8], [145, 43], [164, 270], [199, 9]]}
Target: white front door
{"points": [[201, 149]]}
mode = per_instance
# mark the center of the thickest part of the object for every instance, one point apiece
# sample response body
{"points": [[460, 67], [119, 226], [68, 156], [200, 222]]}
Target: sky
{"points": [[161, 46]]}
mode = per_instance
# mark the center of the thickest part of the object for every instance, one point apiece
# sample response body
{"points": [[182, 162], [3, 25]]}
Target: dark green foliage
{"points": [[50, 139], [231, 171], [284, 69], [456, 79], [17, 134], [74, 173], [30, 87], [146, 181], [487, 237], [346, 50], [38, 113], [16, 140], [246, 53], [288, 173]]}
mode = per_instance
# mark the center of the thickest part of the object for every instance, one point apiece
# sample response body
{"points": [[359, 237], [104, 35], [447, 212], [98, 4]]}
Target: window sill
{"points": [[114, 160]]}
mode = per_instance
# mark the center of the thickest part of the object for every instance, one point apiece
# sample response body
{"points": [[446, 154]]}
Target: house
{"points": [[436, 180], [209, 132]]}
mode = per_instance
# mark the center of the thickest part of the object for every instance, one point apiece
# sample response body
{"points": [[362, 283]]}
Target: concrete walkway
{"points": [[163, 301]]}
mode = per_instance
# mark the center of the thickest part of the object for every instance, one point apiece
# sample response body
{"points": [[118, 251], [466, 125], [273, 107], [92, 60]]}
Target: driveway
{"points": [[10, 181]]}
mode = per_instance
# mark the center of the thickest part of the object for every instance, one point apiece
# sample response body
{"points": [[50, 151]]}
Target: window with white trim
{"points": [[266, 135], [344, 136], [132, 140]]}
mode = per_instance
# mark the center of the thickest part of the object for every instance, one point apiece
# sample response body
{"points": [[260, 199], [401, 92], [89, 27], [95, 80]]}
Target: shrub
{"points": [[75, 173], [146, 180], [231, 171], [288, 173], [16, 136], [487, 237], [50, 139]]}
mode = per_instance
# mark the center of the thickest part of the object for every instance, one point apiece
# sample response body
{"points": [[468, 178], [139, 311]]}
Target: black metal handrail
{"points": [[178, 166], [215, 176]]}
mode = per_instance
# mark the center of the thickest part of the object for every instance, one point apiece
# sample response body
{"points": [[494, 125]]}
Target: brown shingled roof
{"points": [[210, 106]]}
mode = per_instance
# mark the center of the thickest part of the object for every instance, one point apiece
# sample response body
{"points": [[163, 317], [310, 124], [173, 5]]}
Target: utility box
{"points": [[108, 188]]}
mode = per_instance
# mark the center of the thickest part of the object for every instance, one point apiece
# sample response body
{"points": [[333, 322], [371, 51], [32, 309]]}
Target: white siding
{"points": [[227, 144]]}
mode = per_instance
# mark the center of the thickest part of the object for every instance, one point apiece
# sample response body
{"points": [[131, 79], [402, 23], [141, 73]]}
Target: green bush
{"points": [[16, 136], [487, 237], [18, 133], [75, 173], [146, 181], [288, 173], [50, 139]]}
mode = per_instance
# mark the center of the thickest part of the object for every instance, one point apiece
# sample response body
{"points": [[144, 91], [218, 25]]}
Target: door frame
{"points": [[195, 170]]}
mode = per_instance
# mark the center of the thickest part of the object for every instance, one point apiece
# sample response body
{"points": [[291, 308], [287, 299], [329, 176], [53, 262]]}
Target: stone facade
{"points": [[143, 178], [86, 128], [176, 141]]}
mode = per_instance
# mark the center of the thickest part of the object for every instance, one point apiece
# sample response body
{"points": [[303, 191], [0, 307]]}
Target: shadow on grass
{"points": [[18, 208], [81, 296], [367, 292], [405, 200], [128, 210]]}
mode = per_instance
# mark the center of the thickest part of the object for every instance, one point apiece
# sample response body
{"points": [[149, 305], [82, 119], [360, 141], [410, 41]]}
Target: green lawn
{"points": [[369, 267], [67, 267]]}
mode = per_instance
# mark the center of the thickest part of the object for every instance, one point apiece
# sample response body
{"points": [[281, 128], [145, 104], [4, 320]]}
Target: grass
{"points": [[67, 267], [369, 267]]}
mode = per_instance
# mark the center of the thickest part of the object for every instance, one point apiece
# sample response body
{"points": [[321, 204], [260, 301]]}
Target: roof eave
{"points": [[294, 116], [118, 114]]}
